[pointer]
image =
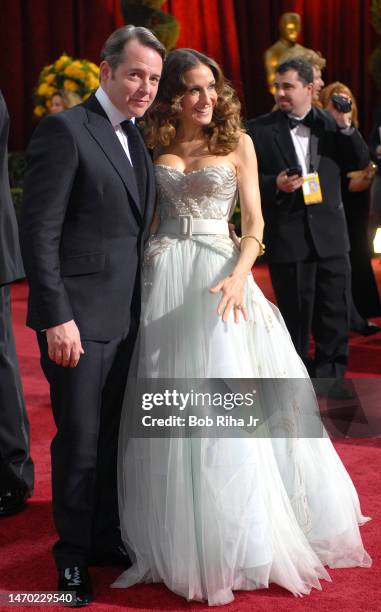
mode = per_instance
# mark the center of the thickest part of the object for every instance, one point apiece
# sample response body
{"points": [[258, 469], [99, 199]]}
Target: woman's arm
{"points": [[232, 287], [250, 201]]}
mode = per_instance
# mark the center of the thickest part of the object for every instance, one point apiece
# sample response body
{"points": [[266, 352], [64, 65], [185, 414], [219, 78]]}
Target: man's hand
{"points": [[288, 184], [64, 344]]}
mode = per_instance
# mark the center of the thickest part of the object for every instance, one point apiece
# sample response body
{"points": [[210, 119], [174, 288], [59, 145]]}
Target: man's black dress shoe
{"points": [[77, 580], [369, 329], [118, 556], [336, 389], [341, 390], [13, 501]]}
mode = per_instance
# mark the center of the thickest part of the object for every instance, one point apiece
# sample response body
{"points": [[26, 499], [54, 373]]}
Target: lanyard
{"points": [[304, 155]]}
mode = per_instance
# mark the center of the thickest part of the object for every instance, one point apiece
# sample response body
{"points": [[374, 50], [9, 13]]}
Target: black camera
{"points": [[341, 103]]}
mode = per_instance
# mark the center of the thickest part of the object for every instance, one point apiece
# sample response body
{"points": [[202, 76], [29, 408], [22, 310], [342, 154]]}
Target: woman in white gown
{"points": [[207, 516]]}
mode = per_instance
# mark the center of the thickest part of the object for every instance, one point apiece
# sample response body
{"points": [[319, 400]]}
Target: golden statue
{"points": [[289, 29]]}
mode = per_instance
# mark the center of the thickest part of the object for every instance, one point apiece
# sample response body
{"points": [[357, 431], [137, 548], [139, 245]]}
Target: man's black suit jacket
{"points": [[289, 223], [83, 226], [11, 267]]}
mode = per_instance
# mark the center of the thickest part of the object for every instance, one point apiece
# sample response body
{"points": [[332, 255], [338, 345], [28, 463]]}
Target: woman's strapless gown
{"points": [[210, 516]]}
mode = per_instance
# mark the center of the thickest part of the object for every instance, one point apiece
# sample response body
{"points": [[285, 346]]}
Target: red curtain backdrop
{"points": [[236, 33], [210, 26]]}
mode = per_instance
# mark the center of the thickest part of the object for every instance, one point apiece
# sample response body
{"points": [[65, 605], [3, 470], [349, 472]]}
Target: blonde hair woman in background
{"points": [[62, 99]]}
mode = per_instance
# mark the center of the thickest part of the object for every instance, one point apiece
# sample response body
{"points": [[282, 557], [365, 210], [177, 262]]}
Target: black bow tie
{"points": [[293, 122]]}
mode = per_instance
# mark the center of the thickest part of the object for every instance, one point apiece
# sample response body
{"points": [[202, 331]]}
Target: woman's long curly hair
{"points": [[162, 119]]}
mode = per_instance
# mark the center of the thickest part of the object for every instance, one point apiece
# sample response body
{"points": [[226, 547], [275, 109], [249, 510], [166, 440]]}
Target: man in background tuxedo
{"points": [[16, 466], [89, 201], [307, 243]]}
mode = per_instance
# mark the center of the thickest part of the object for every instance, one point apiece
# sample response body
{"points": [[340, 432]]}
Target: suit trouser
{"points": [[86, 403], [314, 296], [16, 466]]}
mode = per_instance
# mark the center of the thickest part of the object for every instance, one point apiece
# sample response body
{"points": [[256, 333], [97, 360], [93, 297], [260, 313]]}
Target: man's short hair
{"points": [[301, 67], [113, 49]]}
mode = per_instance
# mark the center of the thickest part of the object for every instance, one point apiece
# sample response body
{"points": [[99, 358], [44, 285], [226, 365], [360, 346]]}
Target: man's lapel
{"points": [[150, 185], [316, 132], [283, 140], [103, 133]]}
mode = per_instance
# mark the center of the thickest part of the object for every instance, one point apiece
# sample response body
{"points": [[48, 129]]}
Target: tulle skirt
{"points": [[208, 516]]}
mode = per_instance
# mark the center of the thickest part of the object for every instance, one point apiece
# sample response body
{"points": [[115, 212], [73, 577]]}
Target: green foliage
{"points": [[16, 168], [236, 219], [375, 15], [145, 13], [166, 28], [375, 65], [154, 4], [17, 193], [375, 58]]}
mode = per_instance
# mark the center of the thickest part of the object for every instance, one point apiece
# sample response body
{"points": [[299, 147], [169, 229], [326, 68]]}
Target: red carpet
{"points": [[25, 539]]}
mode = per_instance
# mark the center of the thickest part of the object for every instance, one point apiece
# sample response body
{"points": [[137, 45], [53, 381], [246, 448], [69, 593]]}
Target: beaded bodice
{"points": [[209, 193]]}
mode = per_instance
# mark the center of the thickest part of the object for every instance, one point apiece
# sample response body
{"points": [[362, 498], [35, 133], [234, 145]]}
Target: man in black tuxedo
{"points": [[89, 201], [16, 466], [307, 243]]}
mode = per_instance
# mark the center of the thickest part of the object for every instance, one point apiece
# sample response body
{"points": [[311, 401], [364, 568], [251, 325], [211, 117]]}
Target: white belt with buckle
{"points": [[187, 226]]}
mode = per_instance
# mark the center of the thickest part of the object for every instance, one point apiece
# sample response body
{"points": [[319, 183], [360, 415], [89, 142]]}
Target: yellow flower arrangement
{"points": [[45, 90], [70, 85], [39, 111], [62, 61], [79, 75]]}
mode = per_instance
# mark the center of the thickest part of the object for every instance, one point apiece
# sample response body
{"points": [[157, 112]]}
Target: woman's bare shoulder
{"points": [[245, 149]]}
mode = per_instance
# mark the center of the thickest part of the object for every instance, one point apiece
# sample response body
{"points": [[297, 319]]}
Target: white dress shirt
{"points": [[115, 117], [300, 135]]}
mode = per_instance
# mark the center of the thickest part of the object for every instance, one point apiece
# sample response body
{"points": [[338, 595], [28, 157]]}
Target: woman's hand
{"points": [[360, 183], [232, 289], [362, 179]]}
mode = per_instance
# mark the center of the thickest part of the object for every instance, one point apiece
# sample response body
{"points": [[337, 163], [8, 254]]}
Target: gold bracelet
{"points": [[262, 247]]}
